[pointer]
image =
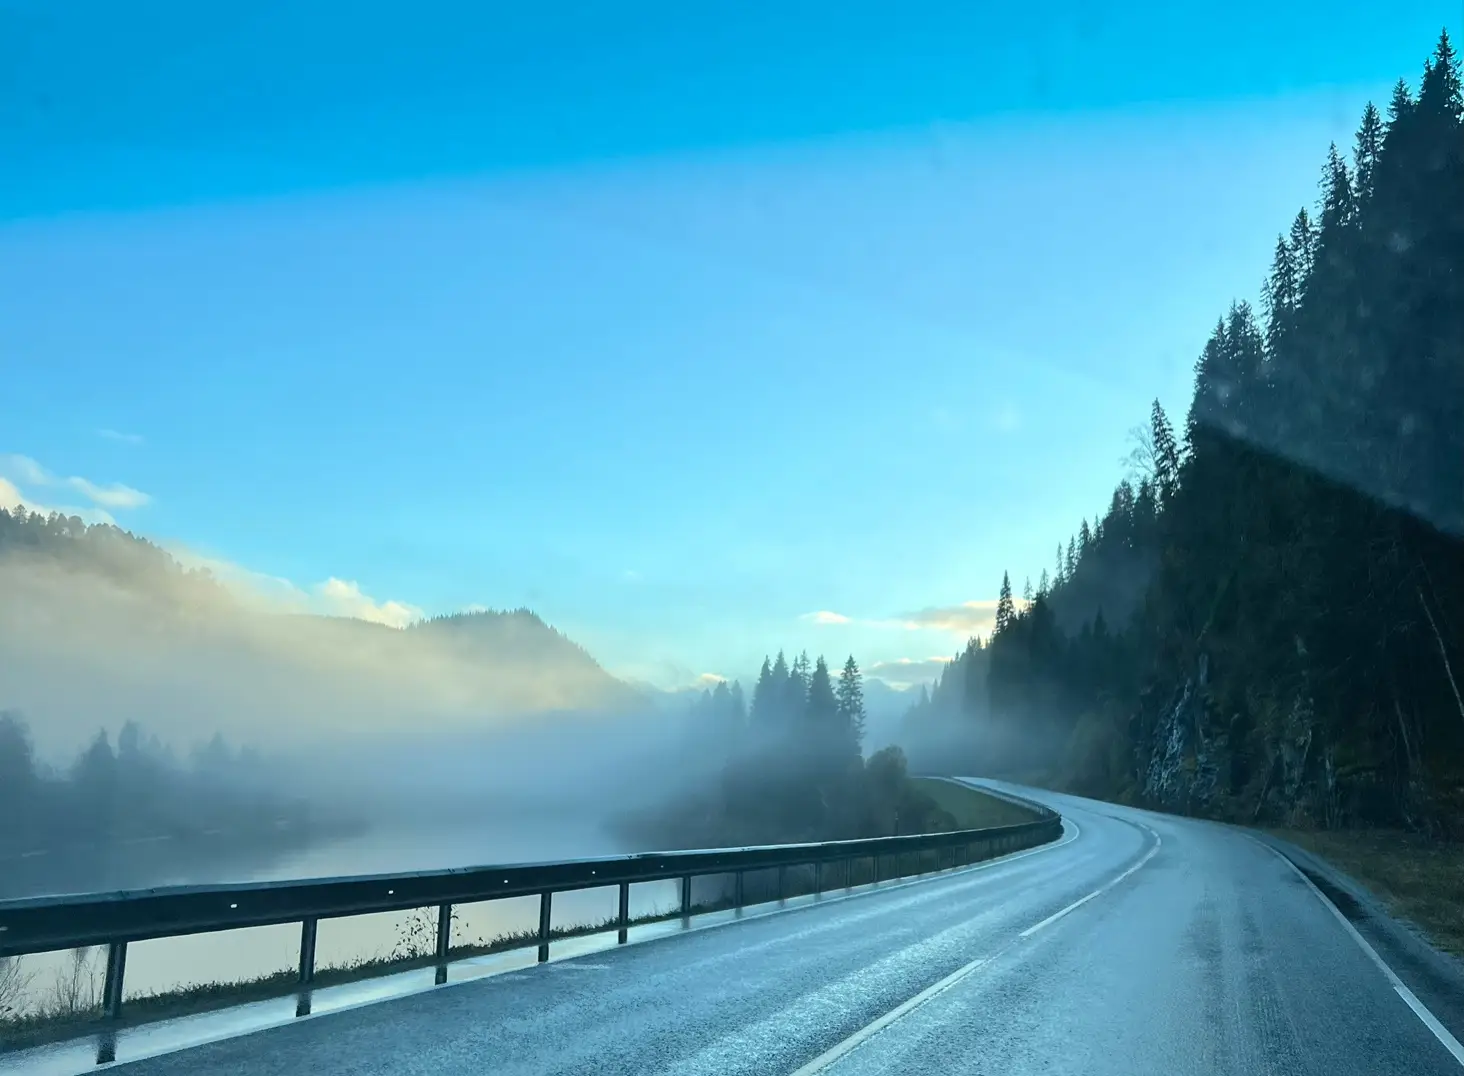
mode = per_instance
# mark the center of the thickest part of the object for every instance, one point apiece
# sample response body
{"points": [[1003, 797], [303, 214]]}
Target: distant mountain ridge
{"points": [[101, 625]]}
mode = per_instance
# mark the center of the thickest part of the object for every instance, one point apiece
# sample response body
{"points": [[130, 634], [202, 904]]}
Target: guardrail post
{"points": [[444, 941], [622, 916], [307, 951], [112, 985], [737, 893], [546, 899], [686, 898], [782, 884], [818, 879]]}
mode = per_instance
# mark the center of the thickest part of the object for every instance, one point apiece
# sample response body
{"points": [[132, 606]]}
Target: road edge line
{"points": [[1409, 998]]}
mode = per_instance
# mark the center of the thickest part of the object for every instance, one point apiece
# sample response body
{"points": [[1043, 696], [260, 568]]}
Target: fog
{"points": [[491, 720]]}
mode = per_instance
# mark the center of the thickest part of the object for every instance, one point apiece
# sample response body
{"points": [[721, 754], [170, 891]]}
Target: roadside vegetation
{"points": [[1265, 624], [969, 808], [1418, 880]]}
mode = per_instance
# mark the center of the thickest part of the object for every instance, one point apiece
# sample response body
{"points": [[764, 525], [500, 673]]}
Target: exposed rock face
{"points": [[1185, 760]]}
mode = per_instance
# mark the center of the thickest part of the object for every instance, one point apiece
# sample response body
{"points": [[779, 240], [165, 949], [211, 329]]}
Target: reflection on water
{"points": [[234, 955]]}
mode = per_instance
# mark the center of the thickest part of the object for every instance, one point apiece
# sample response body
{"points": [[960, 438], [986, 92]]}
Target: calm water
{"points": [[232, 955]]}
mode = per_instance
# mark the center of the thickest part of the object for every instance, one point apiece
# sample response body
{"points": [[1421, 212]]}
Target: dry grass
{"points": [[971, 809], [1417, 880]]}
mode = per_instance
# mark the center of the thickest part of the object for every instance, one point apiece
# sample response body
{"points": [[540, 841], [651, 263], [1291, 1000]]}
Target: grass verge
{"points": [[1417, 880], [972, 809]]}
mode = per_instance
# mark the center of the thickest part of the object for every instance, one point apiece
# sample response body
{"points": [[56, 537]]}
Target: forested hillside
{"points": [[1268, 623], [790, 767]]}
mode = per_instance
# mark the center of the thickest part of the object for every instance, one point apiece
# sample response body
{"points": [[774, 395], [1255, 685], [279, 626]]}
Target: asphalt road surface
{"points": [[1139, 944]]}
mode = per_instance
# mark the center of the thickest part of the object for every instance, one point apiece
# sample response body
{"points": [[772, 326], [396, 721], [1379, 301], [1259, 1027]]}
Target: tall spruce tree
{"points": [[850, 696]]}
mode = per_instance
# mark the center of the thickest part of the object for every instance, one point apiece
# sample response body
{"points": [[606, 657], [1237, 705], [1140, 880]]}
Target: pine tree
{"points": [[1400, 107], [850, 696], [1005, 611], [1061, 566], [1440, 89], [798, 685], [1303, 250], [1085, 539], [1070, 563], [1337, 207], [738, 703], [1027, 590], [1166, 454], [1281, 297], [822, 710], [1369, 144], [1044, 584], [765, 699]]}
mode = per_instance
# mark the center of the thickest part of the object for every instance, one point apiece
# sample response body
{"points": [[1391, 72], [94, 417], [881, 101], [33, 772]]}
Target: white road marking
{"points": [[1410, 999], [829, 1056], [207, 1036], [838, 1050], [1075, 905], [32, 855]]}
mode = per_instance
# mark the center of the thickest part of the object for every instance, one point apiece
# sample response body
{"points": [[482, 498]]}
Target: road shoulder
{"points": [[1434, 976]]}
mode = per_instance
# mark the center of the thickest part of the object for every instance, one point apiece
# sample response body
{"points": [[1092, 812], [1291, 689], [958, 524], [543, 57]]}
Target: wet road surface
{"points": [[1138, 944]]}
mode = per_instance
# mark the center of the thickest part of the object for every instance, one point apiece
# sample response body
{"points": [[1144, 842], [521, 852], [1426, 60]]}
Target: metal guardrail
{"points": [[45, 924]]}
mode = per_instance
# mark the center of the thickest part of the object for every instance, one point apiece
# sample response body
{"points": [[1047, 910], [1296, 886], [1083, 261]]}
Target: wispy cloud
{"points": [[824, 616], [907, 672], [19, 472], [115, 495], [711, 679], [124, 438], [965, 618], [24, 469]]}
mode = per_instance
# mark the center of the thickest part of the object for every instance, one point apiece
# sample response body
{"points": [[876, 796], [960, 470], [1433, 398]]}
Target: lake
{"points": [[168, 963]]}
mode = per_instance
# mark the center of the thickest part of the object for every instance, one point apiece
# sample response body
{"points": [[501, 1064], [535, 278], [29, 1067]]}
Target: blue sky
{"points": [[680, 324]]}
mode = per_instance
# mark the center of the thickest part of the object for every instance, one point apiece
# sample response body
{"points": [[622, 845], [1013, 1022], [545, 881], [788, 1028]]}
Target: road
{"points": [[1139, 944]]}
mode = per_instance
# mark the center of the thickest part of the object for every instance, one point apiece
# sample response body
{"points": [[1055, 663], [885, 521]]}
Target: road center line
{"points": [[864, 1034], [1105, 887], [829, 1056], [1410, 999]]}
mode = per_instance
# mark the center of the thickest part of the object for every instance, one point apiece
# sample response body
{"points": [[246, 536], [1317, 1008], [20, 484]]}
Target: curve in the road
{"points": [[1140, 944]]}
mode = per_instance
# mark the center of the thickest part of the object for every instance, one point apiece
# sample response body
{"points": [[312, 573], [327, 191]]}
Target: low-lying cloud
{"points": [[908, 672], [345, 598]]}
